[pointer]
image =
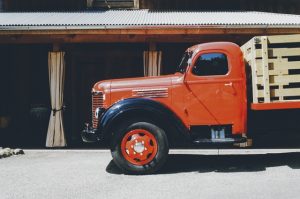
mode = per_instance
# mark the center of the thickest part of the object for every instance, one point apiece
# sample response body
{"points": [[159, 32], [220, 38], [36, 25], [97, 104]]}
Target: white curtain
{"points": [[152, 63], [56, 67]]}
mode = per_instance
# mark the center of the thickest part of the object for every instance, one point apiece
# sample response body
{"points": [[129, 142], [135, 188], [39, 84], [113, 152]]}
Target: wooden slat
{"points": [[275, 52], [280, 86], [280, 67], [253, 72], [279, 39], [246, 49], [271, 67], [284, 92], [265, 69], [283, 79]]}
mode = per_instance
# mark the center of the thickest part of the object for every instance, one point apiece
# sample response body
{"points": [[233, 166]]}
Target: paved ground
{"points": [[198, 174]]}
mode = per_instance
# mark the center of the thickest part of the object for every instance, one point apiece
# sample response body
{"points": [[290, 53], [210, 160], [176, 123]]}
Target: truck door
{"points": [[216, 85]]}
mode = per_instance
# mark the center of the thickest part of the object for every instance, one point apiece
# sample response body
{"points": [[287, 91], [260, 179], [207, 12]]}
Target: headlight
{"points": [[98, 112]]}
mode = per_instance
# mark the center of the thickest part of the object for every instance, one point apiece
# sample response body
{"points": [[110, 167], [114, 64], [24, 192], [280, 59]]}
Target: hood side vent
{"points": [[153, 92]]}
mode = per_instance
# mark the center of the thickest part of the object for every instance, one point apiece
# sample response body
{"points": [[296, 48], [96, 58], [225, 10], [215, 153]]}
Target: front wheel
{"points": [[140, 148]]}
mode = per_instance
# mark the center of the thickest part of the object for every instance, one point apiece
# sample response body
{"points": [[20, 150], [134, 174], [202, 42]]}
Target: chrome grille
{"points": [[97, 102]]}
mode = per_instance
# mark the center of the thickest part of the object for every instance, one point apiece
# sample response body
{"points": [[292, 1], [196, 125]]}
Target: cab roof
{"points": [[228, 46]]}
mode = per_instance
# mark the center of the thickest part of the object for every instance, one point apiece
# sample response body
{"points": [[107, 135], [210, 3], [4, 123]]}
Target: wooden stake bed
{"points": [[275, 70]]}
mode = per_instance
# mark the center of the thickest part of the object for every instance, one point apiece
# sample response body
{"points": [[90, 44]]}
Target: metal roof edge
{"points": [[114, 27]]}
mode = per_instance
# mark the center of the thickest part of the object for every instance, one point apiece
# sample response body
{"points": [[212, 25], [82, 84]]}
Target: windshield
{"points": [[184, 62]]}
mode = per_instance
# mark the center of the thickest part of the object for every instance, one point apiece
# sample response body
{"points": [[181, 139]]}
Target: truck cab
{"points": [[205, 101]]}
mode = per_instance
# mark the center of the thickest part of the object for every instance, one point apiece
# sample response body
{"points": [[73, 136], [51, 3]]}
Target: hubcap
{"points": [[139, 147]]}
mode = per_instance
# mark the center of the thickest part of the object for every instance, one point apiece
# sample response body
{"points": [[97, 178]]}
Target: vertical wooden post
{"points": [[265, 65], [254, 72], [280, 86], [89, 3], [136, 4]]}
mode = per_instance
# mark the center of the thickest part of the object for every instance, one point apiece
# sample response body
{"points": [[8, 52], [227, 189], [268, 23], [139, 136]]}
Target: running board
{"points": [[220, 141]]}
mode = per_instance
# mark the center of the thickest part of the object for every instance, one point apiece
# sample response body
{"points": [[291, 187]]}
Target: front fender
{"points": [[140, 108]]}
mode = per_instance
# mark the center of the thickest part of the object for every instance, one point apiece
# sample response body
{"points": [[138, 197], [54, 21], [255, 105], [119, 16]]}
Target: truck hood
{"points": [[145, 82]]}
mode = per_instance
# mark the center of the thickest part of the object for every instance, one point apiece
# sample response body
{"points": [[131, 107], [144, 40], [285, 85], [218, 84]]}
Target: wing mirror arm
{"points": [[187, 69]]}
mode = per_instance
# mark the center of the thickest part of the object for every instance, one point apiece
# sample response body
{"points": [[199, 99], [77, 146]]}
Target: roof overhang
{"points": [[141, 25]]}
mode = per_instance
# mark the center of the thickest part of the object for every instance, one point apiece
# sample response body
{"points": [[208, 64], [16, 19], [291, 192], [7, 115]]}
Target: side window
{"points": [[211, 64]]}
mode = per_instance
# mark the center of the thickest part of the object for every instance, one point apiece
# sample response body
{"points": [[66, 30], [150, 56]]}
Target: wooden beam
{"points": [[27, 39]]}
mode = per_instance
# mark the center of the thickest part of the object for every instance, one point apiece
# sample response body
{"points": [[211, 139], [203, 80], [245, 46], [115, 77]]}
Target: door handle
{"points": [[228, 84]]}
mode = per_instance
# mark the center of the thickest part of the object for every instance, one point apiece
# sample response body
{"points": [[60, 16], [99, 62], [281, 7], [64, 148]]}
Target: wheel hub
{"points": [[139, 147]]}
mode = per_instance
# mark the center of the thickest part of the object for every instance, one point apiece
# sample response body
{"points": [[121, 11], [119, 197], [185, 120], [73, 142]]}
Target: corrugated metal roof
{"points": [[144, 18]]}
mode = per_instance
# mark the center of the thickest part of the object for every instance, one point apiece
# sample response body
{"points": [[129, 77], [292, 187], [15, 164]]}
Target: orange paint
{"points": [[275, 106], [139, 147], [196, 100]]}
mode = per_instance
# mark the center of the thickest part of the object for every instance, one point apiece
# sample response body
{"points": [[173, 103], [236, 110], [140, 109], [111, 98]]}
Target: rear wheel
{"points": [[140, 148]]}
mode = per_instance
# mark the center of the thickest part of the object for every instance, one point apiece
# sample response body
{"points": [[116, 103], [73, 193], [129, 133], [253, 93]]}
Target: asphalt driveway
{"points": [[187, 174]]}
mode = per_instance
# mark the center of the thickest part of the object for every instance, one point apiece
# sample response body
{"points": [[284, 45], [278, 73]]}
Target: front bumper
{"points": [[89, 134]]}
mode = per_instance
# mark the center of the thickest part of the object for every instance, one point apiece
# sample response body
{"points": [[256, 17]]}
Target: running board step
{"points": [[220, 141]]}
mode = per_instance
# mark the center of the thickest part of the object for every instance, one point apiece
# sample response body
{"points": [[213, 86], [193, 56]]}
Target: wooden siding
{"points": [[44, 5], [275, 66], [111, 3], [280, 6]]}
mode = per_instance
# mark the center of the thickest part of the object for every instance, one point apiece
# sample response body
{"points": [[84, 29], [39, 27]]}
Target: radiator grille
{"points": [[97, 102]]}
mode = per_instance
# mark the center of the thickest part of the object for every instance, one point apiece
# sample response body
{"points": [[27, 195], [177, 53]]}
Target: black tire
{"points": [[151, 167]]}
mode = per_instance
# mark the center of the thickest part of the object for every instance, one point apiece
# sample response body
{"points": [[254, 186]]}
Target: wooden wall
{"points": [[87, 64], [44, 5], [25, 87], [280, 6], [171, 55], [96, 4]]}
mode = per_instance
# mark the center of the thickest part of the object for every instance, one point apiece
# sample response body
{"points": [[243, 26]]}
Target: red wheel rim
{"points": [[139, 147]]}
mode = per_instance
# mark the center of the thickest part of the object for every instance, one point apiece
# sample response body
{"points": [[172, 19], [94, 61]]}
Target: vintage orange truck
{"points": [[205, 101]]}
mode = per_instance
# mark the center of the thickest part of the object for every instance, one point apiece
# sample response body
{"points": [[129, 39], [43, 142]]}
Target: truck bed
{"points": [[274, 62]]}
